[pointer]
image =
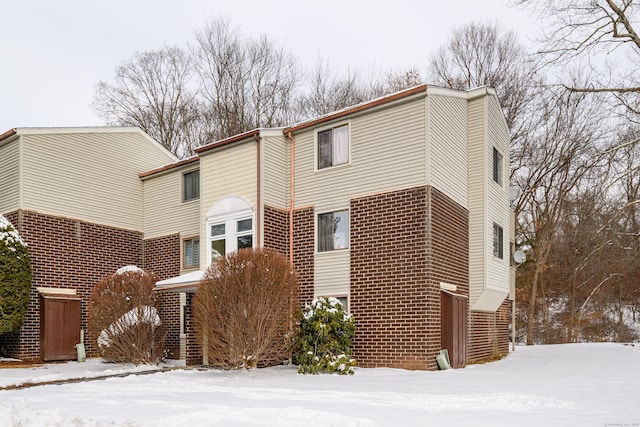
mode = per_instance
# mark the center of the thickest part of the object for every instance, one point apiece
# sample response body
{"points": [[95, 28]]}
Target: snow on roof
{"points": [[11, 236], [184, 283]]}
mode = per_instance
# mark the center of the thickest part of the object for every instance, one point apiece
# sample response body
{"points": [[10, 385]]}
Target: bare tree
{"points": [[328, 91], [599, 34], [152, 90], [245, 84], [480, 54], [562, 156]]}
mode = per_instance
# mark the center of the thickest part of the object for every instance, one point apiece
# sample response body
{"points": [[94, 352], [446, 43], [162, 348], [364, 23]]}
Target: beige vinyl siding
{"points": [[448, 146], [10, 176], [276, 171], [498, 209], [477, 199], [226, 171], [164, 211], [332, 273], [488, 204], [91, 176], [377, 163]]}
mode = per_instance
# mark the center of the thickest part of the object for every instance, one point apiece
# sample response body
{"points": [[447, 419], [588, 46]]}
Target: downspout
{"points": [[291, 197], [259, 190]]}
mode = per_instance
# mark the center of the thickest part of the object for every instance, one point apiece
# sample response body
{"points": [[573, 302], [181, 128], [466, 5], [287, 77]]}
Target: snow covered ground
{"points": [[568, 385]]}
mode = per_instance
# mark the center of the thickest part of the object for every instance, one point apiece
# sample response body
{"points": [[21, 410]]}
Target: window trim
{"points": [[230, 235], [183, 264], [316, 148], [499, 239], [497, 166], [183, 185], [317, 230]]}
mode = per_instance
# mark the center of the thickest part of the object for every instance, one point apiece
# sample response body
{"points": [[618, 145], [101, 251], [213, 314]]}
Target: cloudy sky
{"points": [[54, 52]]}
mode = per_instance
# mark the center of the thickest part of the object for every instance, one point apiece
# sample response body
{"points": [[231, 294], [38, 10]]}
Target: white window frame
{"points": [[231, 234], [228, 211], [317, 231], [316, 147]]}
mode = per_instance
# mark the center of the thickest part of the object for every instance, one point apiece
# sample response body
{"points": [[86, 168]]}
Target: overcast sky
{"points": [[55, 51]]}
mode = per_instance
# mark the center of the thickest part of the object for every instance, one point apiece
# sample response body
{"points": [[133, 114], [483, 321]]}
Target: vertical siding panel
{"points": [[276, 171], [226, 171], [164, 211], [448, 146], [10, 176], [387, 153], [477, 199], [332, 273], [90, 176], [498, 197]]}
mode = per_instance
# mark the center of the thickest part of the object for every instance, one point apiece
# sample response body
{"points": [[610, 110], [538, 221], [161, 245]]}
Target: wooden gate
{"points": [[454, 327], [59, 327]]}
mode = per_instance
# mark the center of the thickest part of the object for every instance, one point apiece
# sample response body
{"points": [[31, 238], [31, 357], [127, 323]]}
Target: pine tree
{"points": [[15, 278]]}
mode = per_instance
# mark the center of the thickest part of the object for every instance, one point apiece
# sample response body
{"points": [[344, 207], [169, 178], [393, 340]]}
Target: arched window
{"points": [[229, 227]]}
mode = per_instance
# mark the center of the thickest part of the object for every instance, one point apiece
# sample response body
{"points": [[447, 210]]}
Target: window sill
{"points": [[328, 168]]}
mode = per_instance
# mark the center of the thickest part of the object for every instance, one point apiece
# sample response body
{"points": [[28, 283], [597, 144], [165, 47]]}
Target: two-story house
{"points": [[398, 206]]}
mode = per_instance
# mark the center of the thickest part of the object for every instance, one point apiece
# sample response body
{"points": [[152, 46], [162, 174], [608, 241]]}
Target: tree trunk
{"points": [[572, 309], [532, 306]]}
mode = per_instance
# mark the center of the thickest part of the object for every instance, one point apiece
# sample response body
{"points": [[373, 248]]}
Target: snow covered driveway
{"points": [[575, 384]]}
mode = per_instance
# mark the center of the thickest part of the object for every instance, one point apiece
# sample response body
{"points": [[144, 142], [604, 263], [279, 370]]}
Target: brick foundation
{"points": [[194, 351], [393, 303], [303, 250], [67, 253], [161, 256], [489, 334], [276, 230]]}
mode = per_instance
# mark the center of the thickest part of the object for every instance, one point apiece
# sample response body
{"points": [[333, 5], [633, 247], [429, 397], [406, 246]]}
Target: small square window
{"points": [[191, 185], [497, 166], [498, 241], [333, 146], [333, 231], [190, 253], [218, 230]]}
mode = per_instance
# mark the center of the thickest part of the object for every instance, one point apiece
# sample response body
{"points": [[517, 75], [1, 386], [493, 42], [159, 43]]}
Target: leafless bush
{"points": [[245, 309], [123, 318]]}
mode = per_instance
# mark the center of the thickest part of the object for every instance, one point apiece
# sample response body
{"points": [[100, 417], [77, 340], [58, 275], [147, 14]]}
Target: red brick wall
{"points": [[303, 250], [489, 334], [449, 227], [276, 230], [194, 352], [395, 305], [68, 253], [161, 255]]}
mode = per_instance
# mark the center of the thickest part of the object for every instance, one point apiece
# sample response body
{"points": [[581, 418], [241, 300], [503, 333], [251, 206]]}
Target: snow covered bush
{"points": [[324, 341], [123, 318], [245, 310], [15, 278]]}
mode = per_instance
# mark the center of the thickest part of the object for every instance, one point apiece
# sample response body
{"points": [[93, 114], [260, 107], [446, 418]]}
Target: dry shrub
{"points": [[124, 320], [246, 307]]}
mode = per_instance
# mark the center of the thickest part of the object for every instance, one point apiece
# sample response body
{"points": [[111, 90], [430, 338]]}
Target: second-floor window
{"points": [[230, 236], [497, 166], [333, 231], [333, 146], [191, 185]]}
